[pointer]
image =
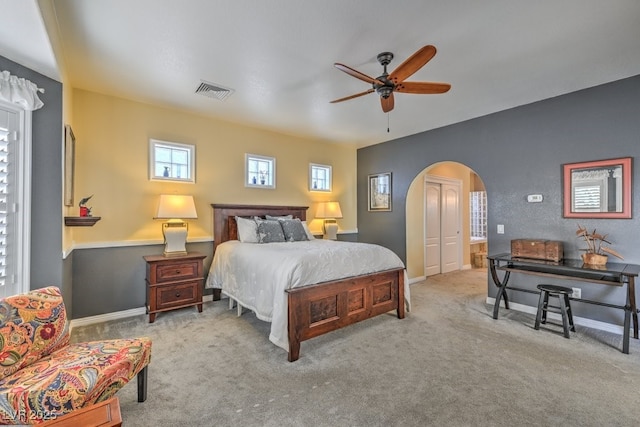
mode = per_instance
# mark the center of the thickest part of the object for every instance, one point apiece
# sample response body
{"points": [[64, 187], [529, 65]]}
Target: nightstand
{"points": [[174, 282]]}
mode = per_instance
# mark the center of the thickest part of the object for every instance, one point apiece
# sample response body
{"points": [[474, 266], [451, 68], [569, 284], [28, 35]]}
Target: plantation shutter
{"points": [[18, 98], [8, 141], [587, 198]]}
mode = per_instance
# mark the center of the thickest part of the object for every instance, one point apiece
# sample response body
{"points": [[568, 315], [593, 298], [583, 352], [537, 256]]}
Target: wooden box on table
{"points": [[547, 250]]}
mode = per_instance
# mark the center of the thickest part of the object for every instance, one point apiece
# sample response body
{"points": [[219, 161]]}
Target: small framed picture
{"points": [[69, 164], [380, 192]]}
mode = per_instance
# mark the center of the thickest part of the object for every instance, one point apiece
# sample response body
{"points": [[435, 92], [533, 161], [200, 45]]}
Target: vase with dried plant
{"points": [[595, 253]]}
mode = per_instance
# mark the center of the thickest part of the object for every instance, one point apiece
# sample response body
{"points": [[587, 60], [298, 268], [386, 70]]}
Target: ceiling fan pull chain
{"points": [[387, 122]]}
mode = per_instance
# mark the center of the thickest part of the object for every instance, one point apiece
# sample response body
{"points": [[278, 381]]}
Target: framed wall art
{"points": [[380, 192], [69, 164]]}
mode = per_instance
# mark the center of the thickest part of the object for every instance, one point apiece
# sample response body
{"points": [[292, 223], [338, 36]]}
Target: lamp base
{"points": [[174, 253], [175, 238], [330, 229]]}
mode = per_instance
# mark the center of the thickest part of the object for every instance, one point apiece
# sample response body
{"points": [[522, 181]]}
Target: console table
{"points": [[612, 274]]}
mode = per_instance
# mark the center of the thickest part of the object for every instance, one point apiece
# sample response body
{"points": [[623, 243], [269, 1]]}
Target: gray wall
{"points": [[46, 184], [518, 152], [113, 279]]}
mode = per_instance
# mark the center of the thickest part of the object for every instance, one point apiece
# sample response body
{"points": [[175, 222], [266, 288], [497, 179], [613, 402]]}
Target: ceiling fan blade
{"points": [[387, 103], [422, 87], [412, 64], [357, 74], [346, 98]]}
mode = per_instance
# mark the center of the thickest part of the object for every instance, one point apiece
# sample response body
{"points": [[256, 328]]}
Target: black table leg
{"points": [[501, 287], [631, 288], [625, 335]]}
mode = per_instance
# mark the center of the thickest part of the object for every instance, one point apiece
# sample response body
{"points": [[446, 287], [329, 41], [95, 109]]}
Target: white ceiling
{"points": [[23, 38], [278, 56]]}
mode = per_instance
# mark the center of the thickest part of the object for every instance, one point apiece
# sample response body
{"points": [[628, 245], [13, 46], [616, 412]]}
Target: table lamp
{"points": [[329, 211], [175, 208]]}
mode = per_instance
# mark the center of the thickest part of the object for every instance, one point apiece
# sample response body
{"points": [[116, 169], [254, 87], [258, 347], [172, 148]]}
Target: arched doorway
{"points": [[420, 224]]}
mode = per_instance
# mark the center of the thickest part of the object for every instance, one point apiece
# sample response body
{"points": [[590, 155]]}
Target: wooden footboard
{"points": [[317, 309]]}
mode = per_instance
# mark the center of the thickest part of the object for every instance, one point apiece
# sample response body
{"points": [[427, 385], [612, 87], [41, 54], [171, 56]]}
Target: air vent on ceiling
{"points": [[213, 90]]}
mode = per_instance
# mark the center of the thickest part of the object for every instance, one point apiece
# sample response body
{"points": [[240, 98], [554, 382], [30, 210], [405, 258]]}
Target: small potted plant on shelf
{"points": [[595, 253]]}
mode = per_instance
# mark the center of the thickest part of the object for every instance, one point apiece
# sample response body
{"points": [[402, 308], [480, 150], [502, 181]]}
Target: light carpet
{"points": [[447, 363]]}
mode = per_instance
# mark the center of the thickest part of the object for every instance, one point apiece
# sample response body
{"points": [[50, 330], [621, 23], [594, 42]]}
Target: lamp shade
{"points": [[173, 206], [329, 210]]}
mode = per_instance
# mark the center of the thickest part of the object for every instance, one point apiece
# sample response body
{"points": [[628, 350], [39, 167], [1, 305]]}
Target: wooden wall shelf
{"points": [[81, 221]]}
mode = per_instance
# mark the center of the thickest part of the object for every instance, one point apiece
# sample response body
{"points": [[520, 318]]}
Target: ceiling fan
{"points": [[387, 83]]}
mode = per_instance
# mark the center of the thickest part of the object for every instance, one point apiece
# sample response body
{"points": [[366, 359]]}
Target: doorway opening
{"points": [[446, 221]]}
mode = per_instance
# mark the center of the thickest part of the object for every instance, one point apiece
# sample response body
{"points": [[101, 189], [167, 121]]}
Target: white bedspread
{"points": [[256, 275]]}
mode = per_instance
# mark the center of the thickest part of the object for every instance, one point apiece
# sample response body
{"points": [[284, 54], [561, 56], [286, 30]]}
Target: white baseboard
{"points": [[589, 323], [91, 320], [466, 267], [417, 279]]}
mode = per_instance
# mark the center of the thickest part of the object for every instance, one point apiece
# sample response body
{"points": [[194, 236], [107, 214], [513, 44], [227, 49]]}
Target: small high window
{"points": [[260, 171], [319, 177], [170, 161]]}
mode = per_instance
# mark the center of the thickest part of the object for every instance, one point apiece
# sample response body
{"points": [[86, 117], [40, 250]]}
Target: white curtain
{"points": [[17, 90]]}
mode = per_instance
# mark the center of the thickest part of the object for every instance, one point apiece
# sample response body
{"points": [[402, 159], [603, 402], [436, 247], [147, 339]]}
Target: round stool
{"points": [[564, 307]]}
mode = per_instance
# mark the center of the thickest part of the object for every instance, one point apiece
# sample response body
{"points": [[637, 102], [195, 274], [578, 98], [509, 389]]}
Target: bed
{"points": [[300, 302]]}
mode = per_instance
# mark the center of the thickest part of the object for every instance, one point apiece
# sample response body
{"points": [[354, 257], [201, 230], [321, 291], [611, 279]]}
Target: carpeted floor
{"points": [[447, 363]]}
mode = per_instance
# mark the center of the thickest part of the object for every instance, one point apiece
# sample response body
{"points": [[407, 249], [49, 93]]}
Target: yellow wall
{"points": [[415, 214], [112, 155], [67, 119], [415, 227]]}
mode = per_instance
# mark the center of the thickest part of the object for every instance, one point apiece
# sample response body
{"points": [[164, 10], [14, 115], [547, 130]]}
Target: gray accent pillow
{"points": [[293, 230], [279, 217], [269, 231]]}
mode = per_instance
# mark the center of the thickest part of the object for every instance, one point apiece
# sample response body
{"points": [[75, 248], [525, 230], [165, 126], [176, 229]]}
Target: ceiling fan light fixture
{"points": [[385, 91], [386, 84]]}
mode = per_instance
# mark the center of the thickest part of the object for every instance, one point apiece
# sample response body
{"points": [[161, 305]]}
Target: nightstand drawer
{"points": [[177, 271], [174, 295]]}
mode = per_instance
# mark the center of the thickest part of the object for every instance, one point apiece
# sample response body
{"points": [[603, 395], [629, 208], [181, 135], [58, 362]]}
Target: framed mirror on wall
{"points": [[69, 164], [598, 189]]}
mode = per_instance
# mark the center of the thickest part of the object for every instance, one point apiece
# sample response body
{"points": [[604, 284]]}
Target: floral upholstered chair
{"points": [[43, 377]]}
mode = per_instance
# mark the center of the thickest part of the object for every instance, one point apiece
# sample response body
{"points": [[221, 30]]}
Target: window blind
{"points": [[6, 232], [15, 199], [586, 198]]}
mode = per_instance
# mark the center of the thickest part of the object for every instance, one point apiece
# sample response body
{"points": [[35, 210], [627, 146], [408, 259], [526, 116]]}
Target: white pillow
{"points": [[247, 230], [310, 235]]}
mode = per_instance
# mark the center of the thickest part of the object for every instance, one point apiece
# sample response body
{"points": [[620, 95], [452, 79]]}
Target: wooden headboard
{"points": [[224, 221]]}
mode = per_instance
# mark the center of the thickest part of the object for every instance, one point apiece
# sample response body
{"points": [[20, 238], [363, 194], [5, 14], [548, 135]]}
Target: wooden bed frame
{"points": [[320, 308]]}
